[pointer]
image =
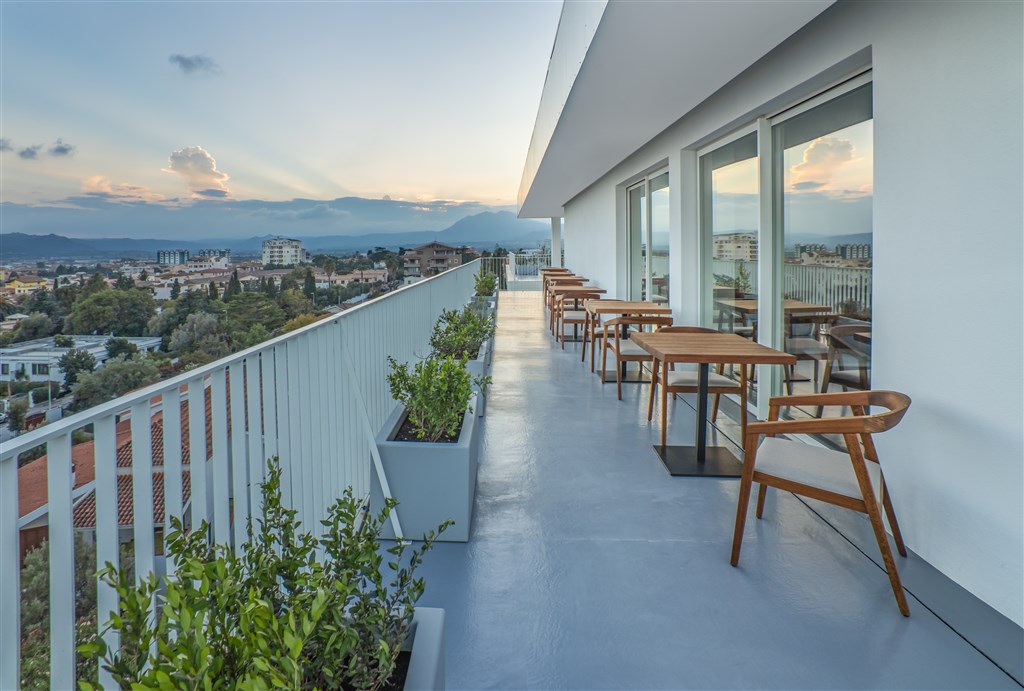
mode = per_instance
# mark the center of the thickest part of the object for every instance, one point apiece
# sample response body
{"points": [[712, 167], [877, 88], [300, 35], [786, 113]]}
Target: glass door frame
{"points": [[645, 182]]}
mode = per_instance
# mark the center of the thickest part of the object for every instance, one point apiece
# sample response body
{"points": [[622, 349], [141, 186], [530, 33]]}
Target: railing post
{"points": [[10, 576]]}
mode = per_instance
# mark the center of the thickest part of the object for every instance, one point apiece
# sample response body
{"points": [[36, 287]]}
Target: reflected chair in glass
{"points": [[802, 341], [851, 479], [686, 382], [845, 350], [614, 337]]}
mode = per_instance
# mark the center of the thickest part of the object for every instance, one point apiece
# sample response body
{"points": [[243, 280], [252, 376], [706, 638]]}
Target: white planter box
{"points": [[432, 481]]}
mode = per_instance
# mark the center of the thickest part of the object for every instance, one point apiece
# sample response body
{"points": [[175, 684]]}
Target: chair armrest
{"points": [[854, 424], [846, 398]]}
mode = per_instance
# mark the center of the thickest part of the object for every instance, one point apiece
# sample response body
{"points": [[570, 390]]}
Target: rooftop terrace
{"points": [[590, 567]]}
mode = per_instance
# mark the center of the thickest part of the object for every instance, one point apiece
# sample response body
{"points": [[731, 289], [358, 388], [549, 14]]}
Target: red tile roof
{"points": [[85, 511]]}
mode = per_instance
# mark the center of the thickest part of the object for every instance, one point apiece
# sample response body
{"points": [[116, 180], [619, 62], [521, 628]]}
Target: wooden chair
{"points": [[842, 348], [625, 350], [686, 382], [843, 479], [568, 312], [591, 332], [802, 341]]}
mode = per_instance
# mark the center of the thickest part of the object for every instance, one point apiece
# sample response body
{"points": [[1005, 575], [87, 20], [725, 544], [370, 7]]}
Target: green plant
{"points": [[485, 283], [435, 393], [278, 615], [460, 334]]}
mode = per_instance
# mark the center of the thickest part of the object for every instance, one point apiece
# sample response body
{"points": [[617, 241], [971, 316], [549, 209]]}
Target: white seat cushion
{"points": [[813, 465], [689, 378], [628, 348], [576, 315], [850, 377], [807, 347]]}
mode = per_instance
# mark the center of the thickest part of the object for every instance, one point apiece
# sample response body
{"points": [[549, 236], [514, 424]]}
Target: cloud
{"points": [[5, 144], [821, 161], [313, 213], [60, 148], [30, 153], [198, 167], [99, 186], [386, 197], [191, 64]]}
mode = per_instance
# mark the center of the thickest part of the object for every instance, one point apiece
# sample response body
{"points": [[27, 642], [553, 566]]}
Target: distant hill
{"points": [[483, 230]]}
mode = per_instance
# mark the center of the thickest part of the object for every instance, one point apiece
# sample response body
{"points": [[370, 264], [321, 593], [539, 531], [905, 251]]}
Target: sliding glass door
{"points": [[648, 238], [822, 187]]}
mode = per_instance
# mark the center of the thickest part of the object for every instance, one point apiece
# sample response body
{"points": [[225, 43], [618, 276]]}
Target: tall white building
{"points": [[284, 251]]}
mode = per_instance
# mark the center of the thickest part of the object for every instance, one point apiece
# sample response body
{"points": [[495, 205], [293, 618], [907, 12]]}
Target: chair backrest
{"points": [[896, 405], [842, 338], [562, 300], [687, 330]]}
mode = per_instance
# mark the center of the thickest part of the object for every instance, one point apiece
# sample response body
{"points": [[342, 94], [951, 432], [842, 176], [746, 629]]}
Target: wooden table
{"points": [[703, 349], [595, 308], [748, 306], [559, 279]]}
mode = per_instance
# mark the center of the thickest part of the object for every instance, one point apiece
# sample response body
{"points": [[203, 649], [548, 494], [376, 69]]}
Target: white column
{"points": [[556, 242]]}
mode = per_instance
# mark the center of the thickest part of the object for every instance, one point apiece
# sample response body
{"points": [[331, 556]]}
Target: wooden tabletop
{"points": [[563, 289], [710, 348], [555, 269], [626, 307], [557, 278], [749, 305]]}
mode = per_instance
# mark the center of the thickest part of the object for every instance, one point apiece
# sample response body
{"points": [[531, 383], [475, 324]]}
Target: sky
{"points": [[114, 113], [829, 185]]}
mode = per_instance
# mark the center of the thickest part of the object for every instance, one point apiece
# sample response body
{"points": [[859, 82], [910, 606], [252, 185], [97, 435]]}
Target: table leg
{"points": [[625, 335], [586, 332], [702, 411]]}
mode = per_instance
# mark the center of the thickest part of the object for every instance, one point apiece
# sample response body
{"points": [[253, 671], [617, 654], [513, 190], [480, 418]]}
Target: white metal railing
{"points": [[823, 285], [297, 396]]}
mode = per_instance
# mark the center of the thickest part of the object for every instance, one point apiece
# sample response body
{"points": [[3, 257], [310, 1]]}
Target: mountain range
{"points": [[482, 230]]}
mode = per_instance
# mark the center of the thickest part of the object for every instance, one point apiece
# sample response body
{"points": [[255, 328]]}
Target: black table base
{"points": [[682, 461]]}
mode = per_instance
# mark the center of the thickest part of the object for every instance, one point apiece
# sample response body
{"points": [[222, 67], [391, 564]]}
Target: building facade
{"points": [[430, 259], [38, 360], [216, 253], [172, 257], [851, 107], [284, 251]]}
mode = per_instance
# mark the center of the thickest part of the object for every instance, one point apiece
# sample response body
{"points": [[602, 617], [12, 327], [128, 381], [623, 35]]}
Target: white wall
{"points": [[948, 123]]}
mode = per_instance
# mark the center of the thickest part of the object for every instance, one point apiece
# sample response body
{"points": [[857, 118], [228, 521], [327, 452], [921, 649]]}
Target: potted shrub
{"points": [[486, 285], [465, 335], [289, 611], [428, 447]]}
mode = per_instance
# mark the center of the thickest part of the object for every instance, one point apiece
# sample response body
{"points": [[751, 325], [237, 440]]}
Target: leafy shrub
{"points": [[40, 392], [485, 284], [63, 341], [275, 616], [460, 334], [436, 394]]}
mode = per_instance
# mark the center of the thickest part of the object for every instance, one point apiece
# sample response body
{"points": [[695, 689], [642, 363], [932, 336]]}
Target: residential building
{"points": [[738, 246], [172, 257], [215, 253], [39, 359], [284, 252], [26, 284], [209, 262], [430, 259], [852, 251]]}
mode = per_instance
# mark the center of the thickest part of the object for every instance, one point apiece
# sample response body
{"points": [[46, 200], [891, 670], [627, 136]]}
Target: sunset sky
{"points": [[113, 105]]}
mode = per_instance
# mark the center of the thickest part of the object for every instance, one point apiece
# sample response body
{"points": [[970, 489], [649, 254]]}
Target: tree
{"points": [[96, 283], [309, 285], [120, 312], [16, 413], [124, 282], [116, 378], [214, 294], [249, 309], [37, 325], [329, 268], [144, 276], [75, 362], [197, 327], [175, 289], [299, 321], [62, 341], [234, 286], [294, 303], [247, 339], [120, 346], [270, 288]]}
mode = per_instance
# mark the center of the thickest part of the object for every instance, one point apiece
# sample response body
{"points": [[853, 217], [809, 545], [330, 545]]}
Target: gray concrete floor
{"points": [[589, 567]]}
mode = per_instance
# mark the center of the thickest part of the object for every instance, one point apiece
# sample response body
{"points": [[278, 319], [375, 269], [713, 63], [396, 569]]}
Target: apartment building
{"points": [[284, 251]]}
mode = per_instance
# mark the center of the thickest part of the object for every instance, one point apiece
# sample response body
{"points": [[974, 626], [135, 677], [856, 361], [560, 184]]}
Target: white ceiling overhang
{"points": [[646, 65]]}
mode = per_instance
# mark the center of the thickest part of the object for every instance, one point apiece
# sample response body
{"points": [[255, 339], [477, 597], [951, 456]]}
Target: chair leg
{"points": [[586, 336], [897, 536], [714, 408], [762, 492], [604, 360], [664, 409], [618, 376], [741, 506], [890, 563], [654, 385]]}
